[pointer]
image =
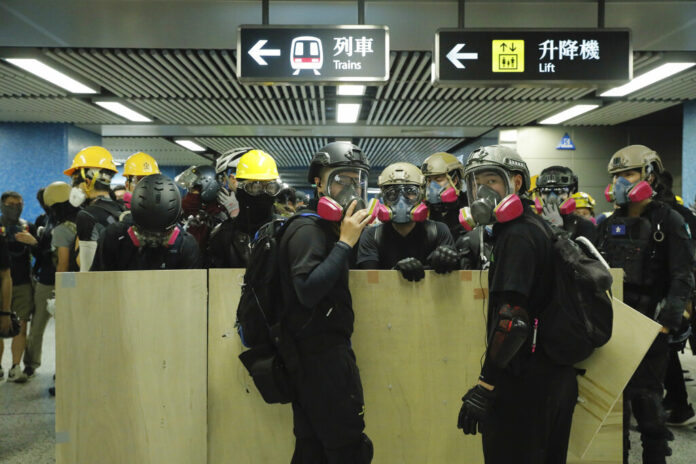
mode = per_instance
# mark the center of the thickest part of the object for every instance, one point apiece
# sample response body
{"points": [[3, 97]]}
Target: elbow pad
{"points": [[87, 252], [509, 335]]}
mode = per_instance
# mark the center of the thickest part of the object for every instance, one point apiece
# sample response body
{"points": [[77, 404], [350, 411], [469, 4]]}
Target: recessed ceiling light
{"points": [[53, 76], [347, 113], [351, 90], [193, 146], [649, 78], [123, 111], [507, 136], [570, 113]]}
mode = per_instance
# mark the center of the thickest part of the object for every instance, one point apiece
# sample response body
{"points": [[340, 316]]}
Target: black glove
{"points": [[444, 259], [411, 269], [476, 405]]}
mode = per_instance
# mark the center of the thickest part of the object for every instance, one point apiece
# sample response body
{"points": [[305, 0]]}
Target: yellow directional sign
{"points": [[508, 56]]}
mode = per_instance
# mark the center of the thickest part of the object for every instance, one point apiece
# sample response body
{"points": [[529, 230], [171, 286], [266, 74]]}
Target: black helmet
{"points": [[558, 177], [337, 154], [206, 180], [155, 204]]}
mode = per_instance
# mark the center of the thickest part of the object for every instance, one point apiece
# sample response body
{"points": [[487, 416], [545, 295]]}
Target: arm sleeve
{"points": [[87, 252], [312, 287], [510, 254], [4, 254], [681, 279], [368, 251]]}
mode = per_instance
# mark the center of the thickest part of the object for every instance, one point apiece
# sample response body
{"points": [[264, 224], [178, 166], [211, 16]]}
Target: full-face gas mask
{"points": [[402, 204], [343, 186], [486, 204]]}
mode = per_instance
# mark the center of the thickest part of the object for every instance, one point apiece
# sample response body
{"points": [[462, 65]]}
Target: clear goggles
{"points": [[410, 192], [258, 187], [559, 191], [493, 177], [347, 182], [554, 180]]}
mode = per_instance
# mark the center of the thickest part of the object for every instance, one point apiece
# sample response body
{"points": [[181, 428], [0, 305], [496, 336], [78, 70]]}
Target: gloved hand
{"points": [[444, 259], [476, 406], [228, 200], [411, 269], [552, 213]]}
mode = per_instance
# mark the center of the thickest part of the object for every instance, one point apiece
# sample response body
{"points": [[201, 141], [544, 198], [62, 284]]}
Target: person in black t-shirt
{"points": [[155, 240], [314, 258], [5, 294], [91, 173], [21, 244], [406, 239], [444, 190], [523, 403]]}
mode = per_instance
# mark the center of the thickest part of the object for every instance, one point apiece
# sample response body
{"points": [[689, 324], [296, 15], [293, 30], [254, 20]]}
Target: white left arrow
{"points": [[256, 52], [454, 56]]}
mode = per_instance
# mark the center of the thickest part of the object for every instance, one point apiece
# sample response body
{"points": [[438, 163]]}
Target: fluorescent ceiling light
{"points": [[53, 76], [190, 145], [122, 110], [507, 136], [352, 90], [570, 113], [650, 77], [347, 112]]}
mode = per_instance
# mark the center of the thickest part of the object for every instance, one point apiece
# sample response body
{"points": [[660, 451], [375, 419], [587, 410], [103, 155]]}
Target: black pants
{"points": [[532, 414], [643, 398], [328, 415], [674, 383]]}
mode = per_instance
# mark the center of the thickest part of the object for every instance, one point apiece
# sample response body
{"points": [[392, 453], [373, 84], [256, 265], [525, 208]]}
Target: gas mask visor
{"points": [[483, 189], [347, 184]]}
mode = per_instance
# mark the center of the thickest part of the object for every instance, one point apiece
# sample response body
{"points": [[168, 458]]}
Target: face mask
{"points": [[482, 208], [77, 197], [153, 240], [402, 212], [625, 192], [127, 199], [439, 194], [11, 212], [565, 208]]}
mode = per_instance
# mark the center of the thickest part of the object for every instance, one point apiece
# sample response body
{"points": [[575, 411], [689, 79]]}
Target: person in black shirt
{"points": [[406, 239], [652, 244], [21, 244], [314, 258], [555, 185], [155, 240], [523, 403], [257, 185], [91, 173], [444, 190]]}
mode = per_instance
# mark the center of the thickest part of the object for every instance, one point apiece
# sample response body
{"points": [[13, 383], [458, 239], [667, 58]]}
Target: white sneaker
{"points": [[16, 375]]}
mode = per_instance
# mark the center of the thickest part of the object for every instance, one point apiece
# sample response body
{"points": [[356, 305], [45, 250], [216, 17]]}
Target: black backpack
{"points": [[272, 356], [579, 317]]}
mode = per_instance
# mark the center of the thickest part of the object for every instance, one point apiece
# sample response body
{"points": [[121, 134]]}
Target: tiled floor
{"points": [[27, 415]]}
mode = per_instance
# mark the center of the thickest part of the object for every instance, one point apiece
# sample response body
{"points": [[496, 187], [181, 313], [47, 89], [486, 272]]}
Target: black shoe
{"points": [[52, 391], [681, 417], [668, 404], [29, 371]]}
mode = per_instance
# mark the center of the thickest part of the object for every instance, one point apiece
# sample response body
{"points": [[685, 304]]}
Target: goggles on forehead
{"points": [[555, 178], [391, 193], [258, 187]]}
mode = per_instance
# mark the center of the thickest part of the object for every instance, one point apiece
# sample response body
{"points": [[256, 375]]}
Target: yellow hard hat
{"points": [[92, 157], [57, 192], [140, 164], [584, 200], [679, 199], [257, 165], [533, 182]]}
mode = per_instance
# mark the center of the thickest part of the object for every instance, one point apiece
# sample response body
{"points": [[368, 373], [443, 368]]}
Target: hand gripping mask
{"points": [[566, 208], [439, 194], [625, 192], [331, 210]]}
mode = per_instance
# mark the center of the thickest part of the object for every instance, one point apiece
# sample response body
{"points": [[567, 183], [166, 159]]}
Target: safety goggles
{"points": [[258, 187], [554, 179], [410, 192], [557, 190]]}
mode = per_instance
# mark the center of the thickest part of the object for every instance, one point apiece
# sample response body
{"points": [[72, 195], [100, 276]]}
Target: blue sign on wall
{"points": [[566, 143]]}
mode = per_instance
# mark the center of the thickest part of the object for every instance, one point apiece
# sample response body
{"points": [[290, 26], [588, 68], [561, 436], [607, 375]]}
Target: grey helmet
{"points": [[337, 154], [499, 156]]}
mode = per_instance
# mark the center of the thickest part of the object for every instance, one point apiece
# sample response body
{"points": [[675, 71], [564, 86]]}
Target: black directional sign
{"points": [[313, 54], [524, 56]]}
